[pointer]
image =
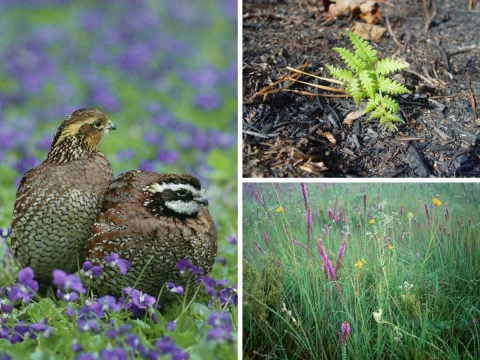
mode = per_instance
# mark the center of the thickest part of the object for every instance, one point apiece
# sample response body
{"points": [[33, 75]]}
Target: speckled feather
{"points": [[57, 202], [138, 226]]}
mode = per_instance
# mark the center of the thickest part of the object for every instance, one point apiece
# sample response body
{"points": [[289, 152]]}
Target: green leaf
{"points": [[387, 66], [352, 60], [378, 113], [391, 86], [368, 81], [340, 74], [390, 104], [362, 48], [354, 90], [373, 103]]}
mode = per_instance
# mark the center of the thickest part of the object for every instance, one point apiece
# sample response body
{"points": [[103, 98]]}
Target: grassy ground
{"points": [[166, 74], [361, 271]]}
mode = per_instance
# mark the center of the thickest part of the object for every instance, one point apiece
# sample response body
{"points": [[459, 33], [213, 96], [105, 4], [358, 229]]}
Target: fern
{"points": [[366, 80]]}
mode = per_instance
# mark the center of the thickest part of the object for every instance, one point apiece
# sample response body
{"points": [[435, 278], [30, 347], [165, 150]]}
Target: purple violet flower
{"points": [[167, 346], [186, 266], [67, 282], [90, 271], [5, 232], [114, 260], [177, 290], [26, 288]]}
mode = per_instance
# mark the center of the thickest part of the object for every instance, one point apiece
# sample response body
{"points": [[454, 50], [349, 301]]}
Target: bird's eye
{"points": [[182, 192], [98, 124]]}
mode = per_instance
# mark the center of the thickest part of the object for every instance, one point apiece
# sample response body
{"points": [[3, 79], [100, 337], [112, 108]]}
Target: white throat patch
{"points": [[183, 207]]}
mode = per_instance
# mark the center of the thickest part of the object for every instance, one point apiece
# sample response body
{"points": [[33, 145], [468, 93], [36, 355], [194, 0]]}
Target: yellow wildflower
{"points": [[390, 247], [436, 202], [360, 263], [279, 210], [372, 222]]}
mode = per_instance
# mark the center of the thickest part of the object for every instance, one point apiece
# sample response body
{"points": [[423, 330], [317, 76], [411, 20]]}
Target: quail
{"points": [[153, 221], [57, 202]]}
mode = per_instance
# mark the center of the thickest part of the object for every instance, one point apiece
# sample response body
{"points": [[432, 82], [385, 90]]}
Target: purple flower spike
{"points": [[177, 290], [114, 260], [304, 193], [345, 328]]}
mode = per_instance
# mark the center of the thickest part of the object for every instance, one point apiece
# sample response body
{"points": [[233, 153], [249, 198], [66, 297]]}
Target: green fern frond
{"points": [[378, 113], [368, 81], [389, 118], [391, 86], [354, 89], [373, 103], [387, 66], [340, 74], [362, 48], [390, 104], [352, 60]]}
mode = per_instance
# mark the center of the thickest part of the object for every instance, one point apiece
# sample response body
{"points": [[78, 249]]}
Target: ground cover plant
{"points": [[361, 271], [166, 75], [292, 133]]}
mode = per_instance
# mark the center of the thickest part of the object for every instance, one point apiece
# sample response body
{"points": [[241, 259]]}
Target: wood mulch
{"points": [[289, 134]]}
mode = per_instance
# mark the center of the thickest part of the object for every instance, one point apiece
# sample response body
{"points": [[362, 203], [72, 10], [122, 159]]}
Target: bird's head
{"points": [[79, 135], [175, 195]]}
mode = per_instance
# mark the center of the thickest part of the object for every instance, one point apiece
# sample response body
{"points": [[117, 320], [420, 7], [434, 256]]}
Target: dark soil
{"points": [[284, 133]]}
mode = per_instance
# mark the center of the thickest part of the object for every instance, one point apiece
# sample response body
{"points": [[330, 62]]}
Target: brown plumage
{"points": [[161, 218], [58, 201]]}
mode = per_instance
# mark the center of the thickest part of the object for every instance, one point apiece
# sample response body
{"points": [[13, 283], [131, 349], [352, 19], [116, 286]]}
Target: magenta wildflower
{"points": [[259, 248], [308, 218], [326, 229], [265, 237], [304, 193], [426, 212], [341, 254], [345, 331], [364, 204], [331, 214], [402, 210]]}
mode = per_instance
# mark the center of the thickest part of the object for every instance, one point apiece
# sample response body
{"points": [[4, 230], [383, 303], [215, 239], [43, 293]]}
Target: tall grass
{"points": [[381, 271]]}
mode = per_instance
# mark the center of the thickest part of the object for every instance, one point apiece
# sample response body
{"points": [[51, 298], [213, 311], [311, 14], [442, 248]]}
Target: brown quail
{"points": [[153, 221], [57, 202]]}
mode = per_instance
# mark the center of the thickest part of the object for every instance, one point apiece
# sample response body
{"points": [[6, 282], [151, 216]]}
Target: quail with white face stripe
{"points": [[153, 221]]}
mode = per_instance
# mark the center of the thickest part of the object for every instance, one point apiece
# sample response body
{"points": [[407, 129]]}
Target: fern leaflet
{"points": [[387, 66], [352, 60], [362, 48], [368, 81], [391, 86]]}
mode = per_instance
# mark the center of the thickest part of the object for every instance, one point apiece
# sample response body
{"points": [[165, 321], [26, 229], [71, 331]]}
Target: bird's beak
{"points": [[111, 125], [202, 199]]}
